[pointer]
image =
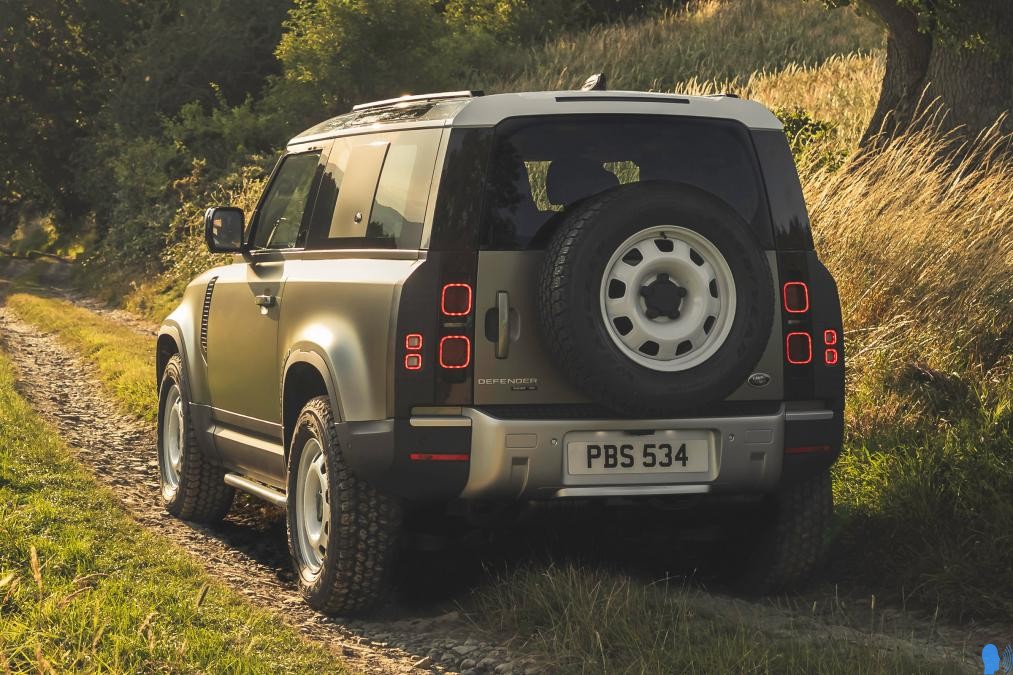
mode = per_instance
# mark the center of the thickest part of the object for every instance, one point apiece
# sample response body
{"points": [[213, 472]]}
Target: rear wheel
{"points": [[779, 546], [192, 487], [342, 532]]}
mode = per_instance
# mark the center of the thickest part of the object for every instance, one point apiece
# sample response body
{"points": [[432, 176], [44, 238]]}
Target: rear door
{"points": [[541, 168]]}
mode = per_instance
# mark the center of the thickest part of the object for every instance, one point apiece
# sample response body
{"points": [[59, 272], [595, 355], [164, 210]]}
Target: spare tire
{"points": [[655, 298]]}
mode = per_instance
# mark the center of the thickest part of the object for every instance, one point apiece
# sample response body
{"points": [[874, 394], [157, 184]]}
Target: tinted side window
{"points": [[544, 166], [375, 191], [279, 219]]}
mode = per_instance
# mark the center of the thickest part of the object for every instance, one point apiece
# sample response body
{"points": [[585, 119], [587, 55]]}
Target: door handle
{"points": [[264, 300], [503, 324]]}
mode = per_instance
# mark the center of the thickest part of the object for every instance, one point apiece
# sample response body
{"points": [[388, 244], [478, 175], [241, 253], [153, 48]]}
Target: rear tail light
{"points": [[830, 354], [456, 300], [455, 352], [437, 457], [799, 348], [413, 362], [806, 449], [796, 297]]}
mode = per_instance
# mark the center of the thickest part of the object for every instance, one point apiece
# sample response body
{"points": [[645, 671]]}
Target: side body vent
{"points": [[205, 312]]}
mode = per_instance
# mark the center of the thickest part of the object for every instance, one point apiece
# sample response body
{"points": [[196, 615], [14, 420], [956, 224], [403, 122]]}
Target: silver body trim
{"points": [[808, 415], [257, 489], [449, 421], [512, 458]]}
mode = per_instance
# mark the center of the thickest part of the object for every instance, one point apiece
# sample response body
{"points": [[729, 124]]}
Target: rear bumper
{"points": [[475, 455]]}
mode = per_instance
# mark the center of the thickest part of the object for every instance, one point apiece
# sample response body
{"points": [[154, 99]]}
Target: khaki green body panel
{"points": [[342, 309]]}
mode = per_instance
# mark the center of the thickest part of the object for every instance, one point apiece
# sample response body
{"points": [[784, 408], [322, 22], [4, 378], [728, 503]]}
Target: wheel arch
{"points": [[306, 376], [168, 344]]}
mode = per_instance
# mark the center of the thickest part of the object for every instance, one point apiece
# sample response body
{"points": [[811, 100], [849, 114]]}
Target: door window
{"points": [[279, 219]]}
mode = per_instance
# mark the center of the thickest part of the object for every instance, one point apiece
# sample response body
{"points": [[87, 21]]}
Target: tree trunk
{"points": [[974, 85]]}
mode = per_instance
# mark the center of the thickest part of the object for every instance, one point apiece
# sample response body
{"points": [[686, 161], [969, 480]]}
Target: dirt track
{"points": [[248, 551]]}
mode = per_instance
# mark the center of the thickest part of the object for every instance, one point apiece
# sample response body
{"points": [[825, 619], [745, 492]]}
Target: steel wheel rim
{"points": [[312, 505], [173, 430], [639, 279]]}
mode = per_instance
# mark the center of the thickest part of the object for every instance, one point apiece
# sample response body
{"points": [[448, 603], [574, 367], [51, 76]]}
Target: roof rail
{"points": [[413, 99]]}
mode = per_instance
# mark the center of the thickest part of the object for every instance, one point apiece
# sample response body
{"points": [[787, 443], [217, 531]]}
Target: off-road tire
{"points": [[570, 287], [779, 546], [202, 495], [364, 526]]}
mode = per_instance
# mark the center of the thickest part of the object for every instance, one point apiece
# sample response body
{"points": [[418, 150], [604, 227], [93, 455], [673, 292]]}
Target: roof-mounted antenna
{"points": [[596, 82]]}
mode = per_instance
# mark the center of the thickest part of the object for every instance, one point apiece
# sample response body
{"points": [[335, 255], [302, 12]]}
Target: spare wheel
{"points": [[655, 298]]}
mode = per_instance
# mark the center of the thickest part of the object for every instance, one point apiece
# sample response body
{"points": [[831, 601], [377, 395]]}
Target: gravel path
{"points": [[248, 550]]}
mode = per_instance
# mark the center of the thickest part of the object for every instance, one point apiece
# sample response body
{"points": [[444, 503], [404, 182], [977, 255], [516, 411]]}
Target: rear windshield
{"points": [[543, 166]]}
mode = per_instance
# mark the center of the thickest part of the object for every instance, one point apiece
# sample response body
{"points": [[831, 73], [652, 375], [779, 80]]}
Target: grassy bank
{"points": [[82, 588]]}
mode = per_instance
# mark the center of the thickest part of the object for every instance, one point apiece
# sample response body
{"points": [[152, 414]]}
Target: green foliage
{"points": [[344, 51], [52, 55], [215, 54], [810, 138]]}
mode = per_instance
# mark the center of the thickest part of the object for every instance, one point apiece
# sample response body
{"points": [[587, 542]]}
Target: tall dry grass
{"points": [[919, 235], [704, 39]]}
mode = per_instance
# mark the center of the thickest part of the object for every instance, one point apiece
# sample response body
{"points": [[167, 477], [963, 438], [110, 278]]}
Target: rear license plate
{"points": [[605, 453]]}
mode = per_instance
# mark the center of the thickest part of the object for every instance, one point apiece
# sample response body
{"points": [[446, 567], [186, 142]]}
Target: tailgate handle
{"points": [[503, 324]]}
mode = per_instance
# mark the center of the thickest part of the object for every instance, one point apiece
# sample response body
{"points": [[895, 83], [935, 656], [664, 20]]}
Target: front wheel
{"points": [[342, 532], [192, 487]]}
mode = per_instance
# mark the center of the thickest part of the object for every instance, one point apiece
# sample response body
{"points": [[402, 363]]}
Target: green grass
{"points": [[83, 588], [124, 358], [598, 622]]}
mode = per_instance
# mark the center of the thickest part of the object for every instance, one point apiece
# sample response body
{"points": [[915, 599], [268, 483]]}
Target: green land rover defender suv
{"points": [[460, 300]]}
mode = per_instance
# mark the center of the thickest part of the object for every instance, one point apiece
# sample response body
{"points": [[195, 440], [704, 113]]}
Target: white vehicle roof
{"points": [[464, 109]]}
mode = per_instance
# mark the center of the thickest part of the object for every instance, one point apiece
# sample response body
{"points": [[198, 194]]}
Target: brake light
{"points": [[830, 337], [413, 342], [830, 357], [796, 297], [437, 457], [455, 352], [799, 348], [456, 300], [413, 362], [806, 449]]}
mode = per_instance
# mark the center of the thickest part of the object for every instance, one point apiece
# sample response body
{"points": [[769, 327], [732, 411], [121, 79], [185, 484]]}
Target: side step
{"points": [[265, 492]]}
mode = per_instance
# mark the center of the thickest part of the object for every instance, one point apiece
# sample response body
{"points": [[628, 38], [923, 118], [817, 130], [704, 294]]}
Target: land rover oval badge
{"points": [[759, 380]]}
